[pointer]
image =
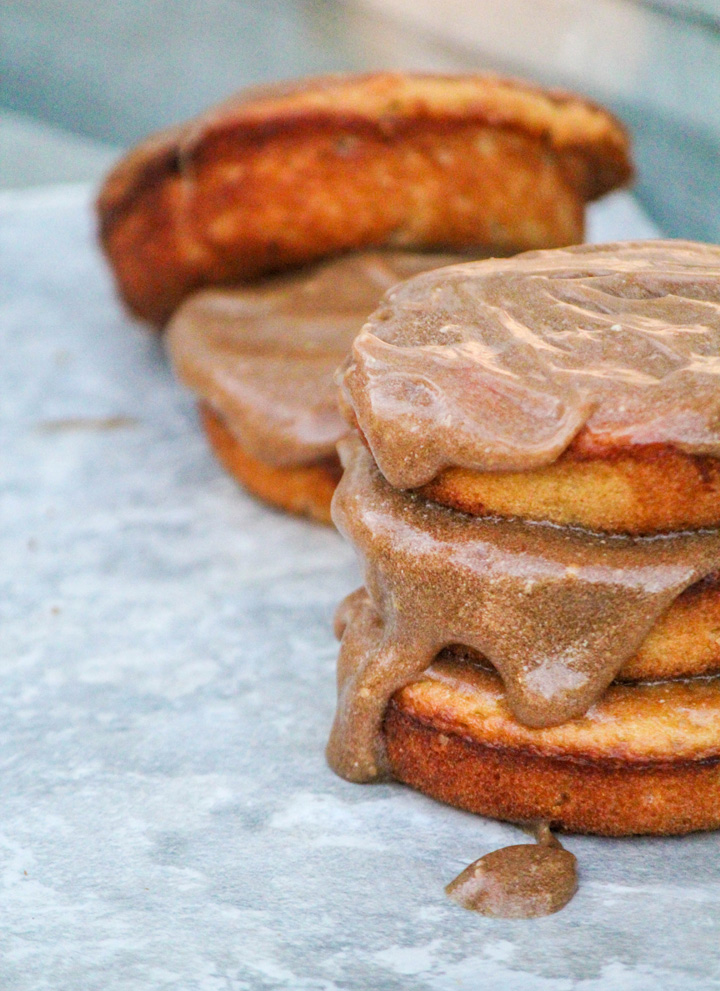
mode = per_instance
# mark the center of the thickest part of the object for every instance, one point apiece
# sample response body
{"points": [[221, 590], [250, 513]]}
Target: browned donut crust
{"points": [[646, 759], [685, 641], [305, 489], [637, 490], [281, 176]]}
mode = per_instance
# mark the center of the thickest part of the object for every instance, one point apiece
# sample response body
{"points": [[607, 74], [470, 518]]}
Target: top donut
{"points": [[285, 175], [577, 385]]}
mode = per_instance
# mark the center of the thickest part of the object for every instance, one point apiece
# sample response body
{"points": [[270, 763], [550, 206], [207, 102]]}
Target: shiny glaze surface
{"points": [[264, 354], [557, 611], [502, 364], [523, 881]]}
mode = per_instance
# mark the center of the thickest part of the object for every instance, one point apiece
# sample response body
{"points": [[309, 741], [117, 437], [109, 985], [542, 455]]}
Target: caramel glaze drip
{"points": [[556, 610], [264, 354], [518, 882], [499, 365]]}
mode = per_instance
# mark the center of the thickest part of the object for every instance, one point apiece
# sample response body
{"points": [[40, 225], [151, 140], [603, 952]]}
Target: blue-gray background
{"points": [[80, 79]]}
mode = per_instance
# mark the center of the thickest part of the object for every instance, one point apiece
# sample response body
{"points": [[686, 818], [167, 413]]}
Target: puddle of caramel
{"points": [[264, 354], [518, 882], [557, 611], [497, 365]]}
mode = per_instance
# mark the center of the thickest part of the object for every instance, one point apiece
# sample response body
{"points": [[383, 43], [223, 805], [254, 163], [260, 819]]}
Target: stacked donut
{"points": [[534, 492], [305, 202]]}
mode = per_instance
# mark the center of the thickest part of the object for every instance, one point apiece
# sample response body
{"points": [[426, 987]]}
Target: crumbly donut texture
{"points": [[639, 490]]}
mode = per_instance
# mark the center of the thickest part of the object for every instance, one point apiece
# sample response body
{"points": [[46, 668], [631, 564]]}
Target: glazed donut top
{"points": [[502, 364], [264, 354]]}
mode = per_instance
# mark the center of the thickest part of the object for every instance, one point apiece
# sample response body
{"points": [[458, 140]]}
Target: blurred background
{"points": [[81, 80]]}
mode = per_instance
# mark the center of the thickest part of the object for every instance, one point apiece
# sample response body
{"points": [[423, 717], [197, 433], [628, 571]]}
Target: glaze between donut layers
{"points": [[556, 610]]}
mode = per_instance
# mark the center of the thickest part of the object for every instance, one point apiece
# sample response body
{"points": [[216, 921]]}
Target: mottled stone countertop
{"points": [[167, 820]]}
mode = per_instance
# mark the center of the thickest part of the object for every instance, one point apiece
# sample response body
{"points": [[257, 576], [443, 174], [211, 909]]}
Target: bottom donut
{"points": [[644, 760], [303, 489]]}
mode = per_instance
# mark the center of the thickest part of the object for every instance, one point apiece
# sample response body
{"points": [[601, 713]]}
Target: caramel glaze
{"points": [[518, 882], [556, 610], [264, 354], [500, 365]]}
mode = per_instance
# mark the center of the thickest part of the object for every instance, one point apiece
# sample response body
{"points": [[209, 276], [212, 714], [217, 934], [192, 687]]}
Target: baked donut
{"points": [[261, 359], [576, 386], [284, 175], [521, 665], [644, 759], [417, 706]]}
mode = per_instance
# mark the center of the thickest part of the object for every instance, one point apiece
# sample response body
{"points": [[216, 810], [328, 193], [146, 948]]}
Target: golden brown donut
{"points": [[280, 176], [577, 386], [645, 759], [262, 357], [574, 386], [636, 489], [303, 489], [685, 641]]}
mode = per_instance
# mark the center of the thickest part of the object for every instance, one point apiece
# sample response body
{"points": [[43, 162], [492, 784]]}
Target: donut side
{"points": [[635, 490], [685, 641], [646, 759], [305, 490]]}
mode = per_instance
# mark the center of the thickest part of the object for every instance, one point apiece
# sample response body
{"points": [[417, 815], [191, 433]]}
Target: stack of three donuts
{"points": [[266, 230], [534, 493]]}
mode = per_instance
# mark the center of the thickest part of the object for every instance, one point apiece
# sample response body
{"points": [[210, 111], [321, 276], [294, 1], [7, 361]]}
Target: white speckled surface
{"points": [[167, 820]]}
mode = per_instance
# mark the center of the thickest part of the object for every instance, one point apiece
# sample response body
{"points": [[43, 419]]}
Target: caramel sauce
{"points": [[264, 354], [518, 882], [557, 611], [498, 365]]}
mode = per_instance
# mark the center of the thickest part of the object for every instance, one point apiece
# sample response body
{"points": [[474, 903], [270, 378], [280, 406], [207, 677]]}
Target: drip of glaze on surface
{"points": [[518, 882], [501, 365], [557, 611], [263, 355]]}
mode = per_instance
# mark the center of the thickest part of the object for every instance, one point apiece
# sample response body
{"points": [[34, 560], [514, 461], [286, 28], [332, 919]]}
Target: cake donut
{"points": [[265, 231], [261, 358], [575, 386], [511, 645], [555, 661], [285, 175]]}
